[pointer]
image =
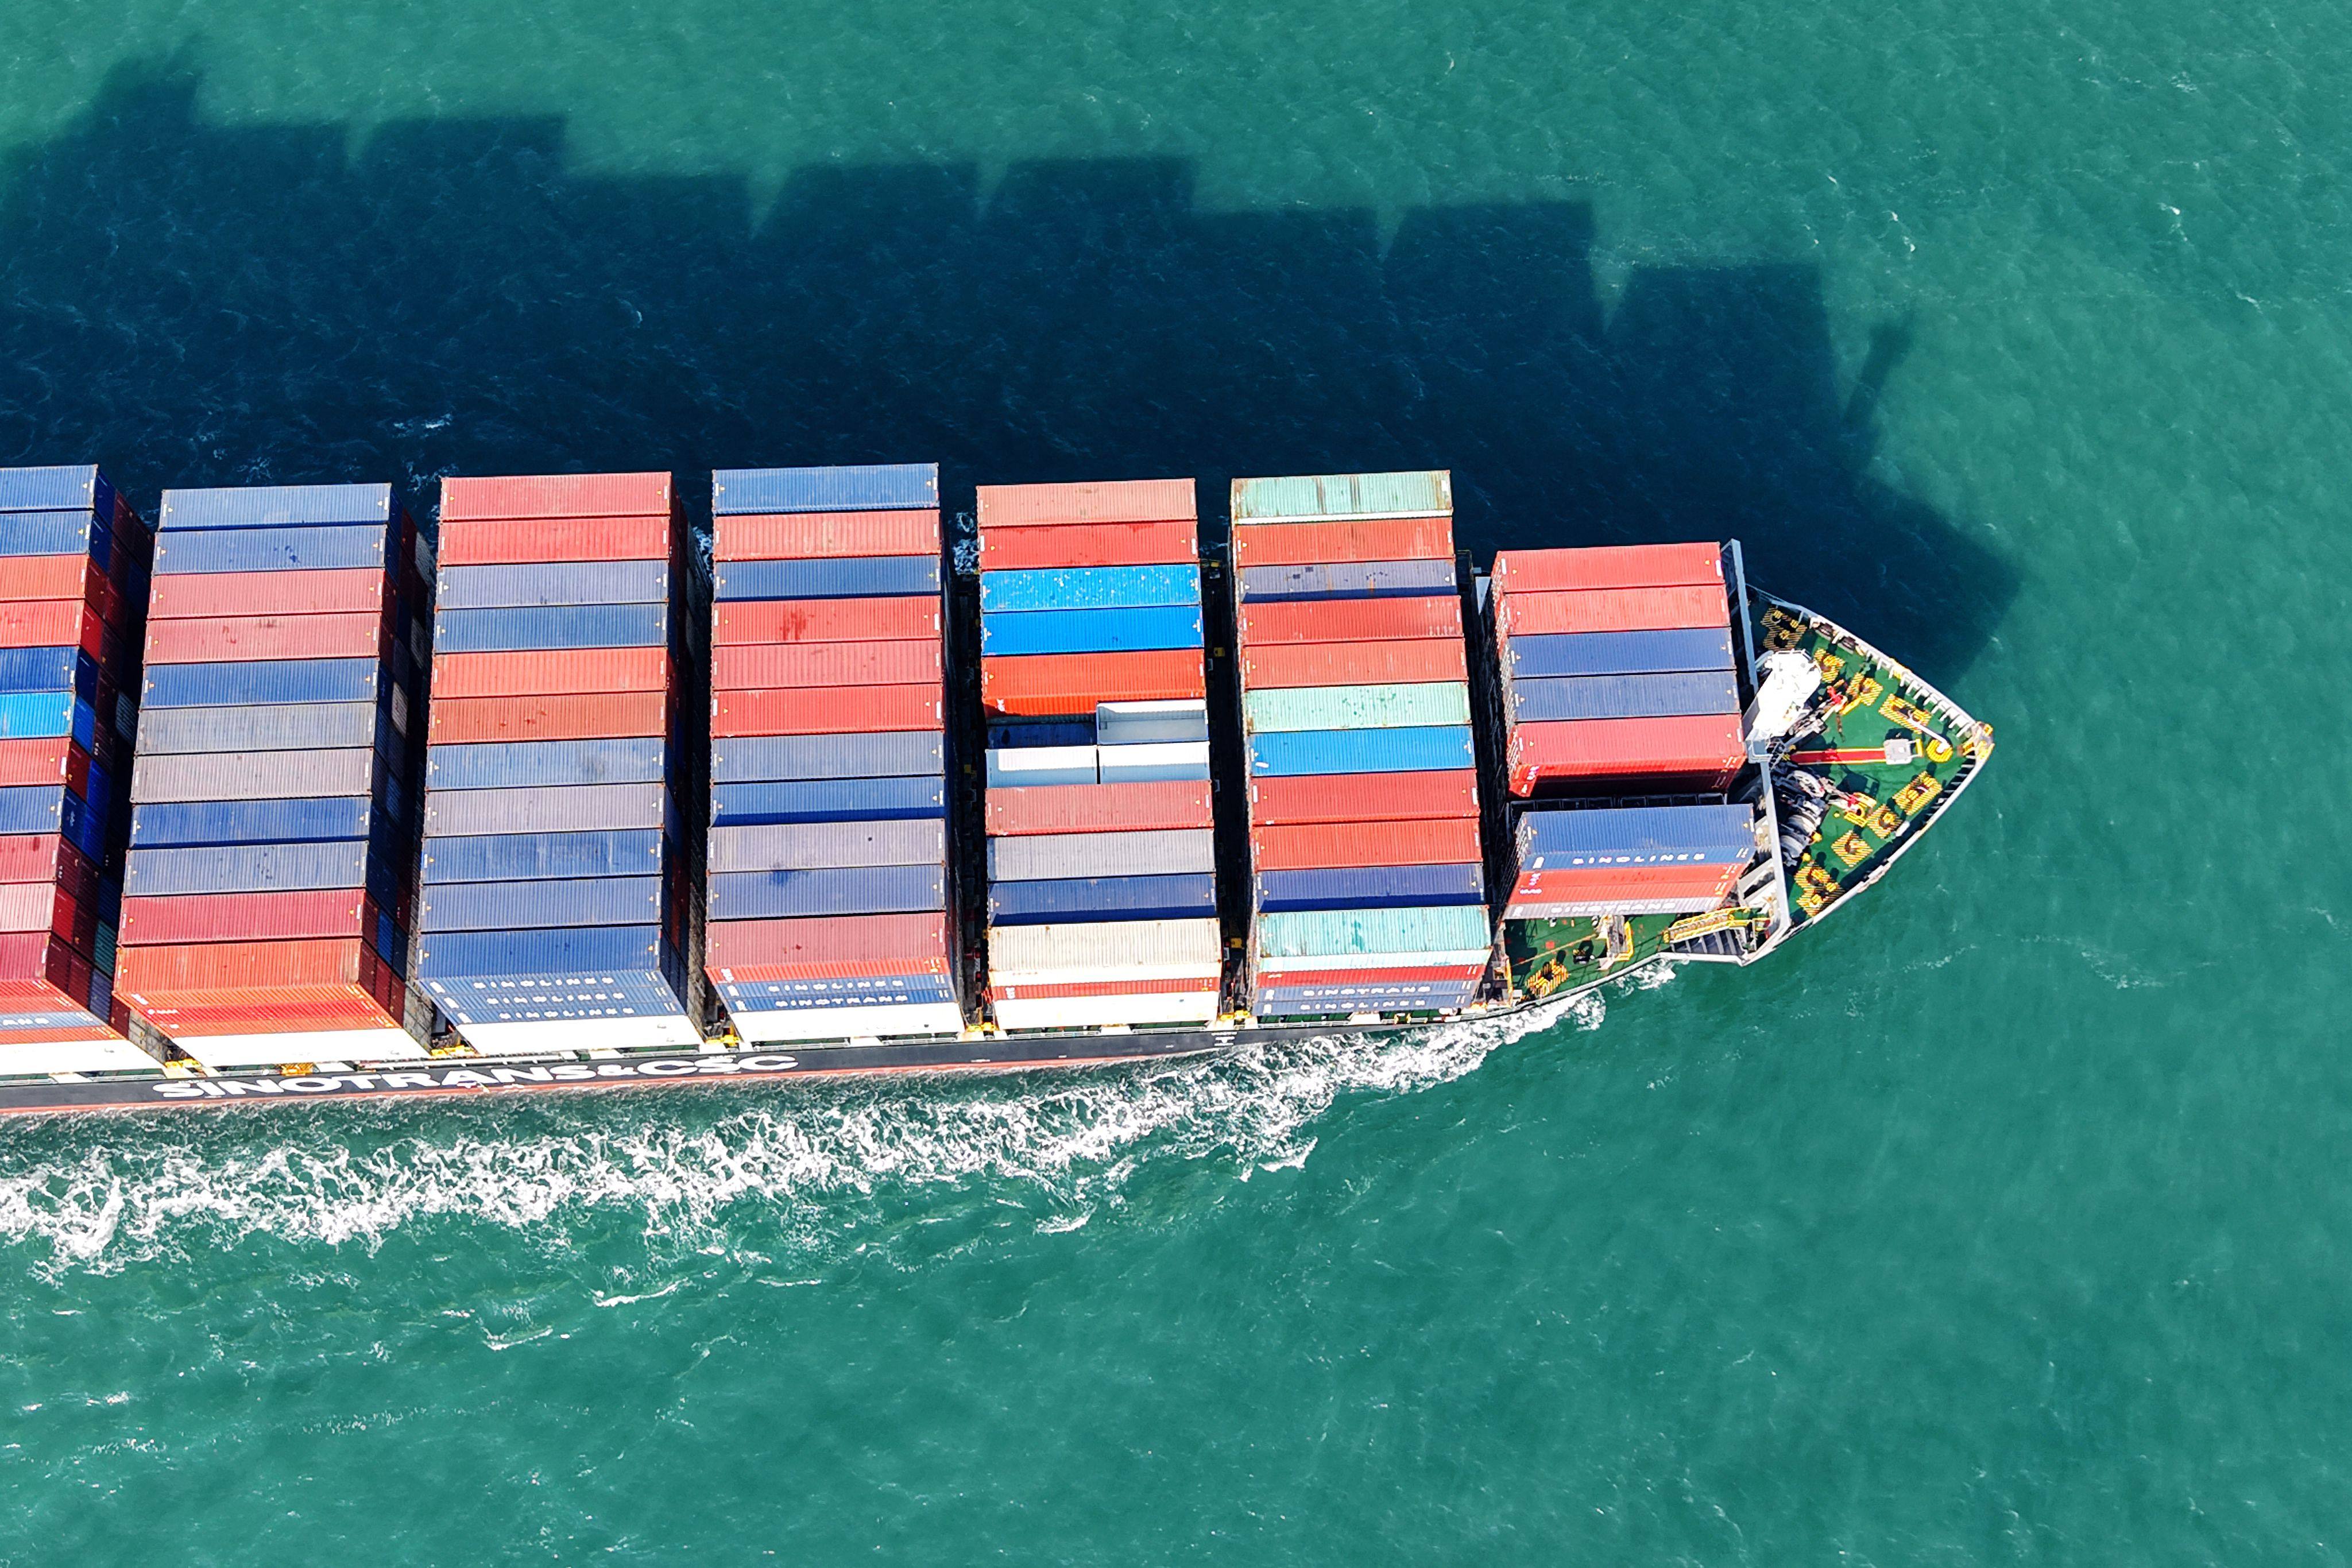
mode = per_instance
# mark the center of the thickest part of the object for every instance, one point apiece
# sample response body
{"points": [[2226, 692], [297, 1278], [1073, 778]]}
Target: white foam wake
{"points": [[811, 1161]]}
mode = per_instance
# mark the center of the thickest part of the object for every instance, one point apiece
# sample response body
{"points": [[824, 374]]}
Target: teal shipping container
{"points": [[1343, 933], [1356, 707], [1426, 493]]}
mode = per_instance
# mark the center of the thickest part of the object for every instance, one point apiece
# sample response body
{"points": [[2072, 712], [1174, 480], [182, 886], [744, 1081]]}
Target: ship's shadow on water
{"points": [[195, 303]]}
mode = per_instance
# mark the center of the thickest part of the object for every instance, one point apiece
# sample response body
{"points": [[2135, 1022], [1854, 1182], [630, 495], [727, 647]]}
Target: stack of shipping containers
{"points": [[1102, 894], [556, 912], [831, 892], [73, 585], [274, 798], [1366, 869], [1617, 682]]}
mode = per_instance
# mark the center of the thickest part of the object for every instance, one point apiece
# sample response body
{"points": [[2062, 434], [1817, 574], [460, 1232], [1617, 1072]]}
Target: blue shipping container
{"points": [[544, 627], [560, 953], [275, 507], [561, 584], [1616, 653], [1624, 696], [1089, 631], [858, 889], [56, 533], [50, 670], [774, 758], [586, 989], [1349, 579], [75, 487], [47, 716], [828, 801], [845, 576], [267, 681], [257, 868], [803, 996], [1636, 835], [870, 487], [335, 548], [1184, 895], [315, 819], [1333, 1001], [1427, 749], [1051, 732], [519, 905], [1089, 587], [531, 857], [529, 764], [1370, 887], [811, 845]]}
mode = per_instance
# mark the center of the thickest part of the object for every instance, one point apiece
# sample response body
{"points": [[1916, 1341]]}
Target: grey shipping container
{"points": [[252, 776], [308, 727], [1350, 580], [274, 506], [547, 585], [564, 808], [1624, 696], [1049, 857], [864, 890], [895, 754], [533, 764], [810, 846]]}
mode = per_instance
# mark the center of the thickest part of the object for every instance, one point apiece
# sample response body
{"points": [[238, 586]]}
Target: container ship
{"points": [[300, 801]]}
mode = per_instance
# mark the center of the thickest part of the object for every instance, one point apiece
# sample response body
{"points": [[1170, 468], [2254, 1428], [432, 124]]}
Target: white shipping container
{"points": [[98, 1054], [1156, 851], [1091, 1012], [1374, 961], [1024, 766], [1140, 723], [580, 1034], [1104, 950], [1143, 763], [849, 1023], [229, 1051]]}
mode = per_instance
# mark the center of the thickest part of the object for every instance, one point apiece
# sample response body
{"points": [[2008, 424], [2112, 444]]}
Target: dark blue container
{"points": [[848, 577], [266, 682], [1089, 631], [78, 486], [574, 583], [894, 754], [1089, 587], [1349, 579], [544, 627], [567, 972], [527, 764], [856, 889], [1292, 753], [1185, 895], [1551, 840], [873, 487], [518, 905], [828, 801], [1624, 696], [49, 670], [1615, 654], [317, 820], [275, 507], [257, 868], [533, 857], [54, 533], [1049, 732], [333, 548], [1370, 887], [803, 996]]}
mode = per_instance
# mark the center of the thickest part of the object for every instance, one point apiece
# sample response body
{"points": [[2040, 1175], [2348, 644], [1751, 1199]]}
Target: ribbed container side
{"points": [[1181, 896], [248, 917], [75, 577], [44, 907], [457, 813], [353, 592], [44, 761], [210, 551], [47, 716], [1608, 566], [274, 506], [832, 948], [544, 627], [1098, 807], [518, 996], [808, 996], [1344, 497], [824, 710], [1032, 734], [1109, 501], [56, 625], [1183, 986], [1635, 835], [181, 1021], [1418, 705], [258, 775], [1152, 723], [1441, 841], [857, 889], [72, 488], [1048, 856], [318, 966], [1700, 886], [573, 672], [856, 665], [1611, 610], [871, 577], [535, 857], [289, 820], [825, 621], [248, 868], [1186, 1006], [591, 716], [1575, 654], [813, 846], [1348, 580], [1090, 630], [1287, 754], [519, 765], [1622, 697], [48, 669], [1305, 544], [1091, 588], [555, 585], [556, 496], [1706, 746], [1335, 933], [497, 957], [534, 905], [900, 755], [280, 681], [1057, 684], [40, 974], [817, 536], [44, 857], [1171, 543], [554, 540], [249, 639], [1103, 950], [828, 801], [1370, 887], [34, 534], [875, 486], [1349, 620]]}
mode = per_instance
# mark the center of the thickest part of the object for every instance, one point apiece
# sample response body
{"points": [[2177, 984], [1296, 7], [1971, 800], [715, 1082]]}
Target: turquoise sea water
{"points": [[2004, 1221]]}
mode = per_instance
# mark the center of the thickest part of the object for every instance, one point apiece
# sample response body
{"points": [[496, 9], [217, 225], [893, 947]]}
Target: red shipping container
{"points": [[56, 760], [56, 577], [1701, 747], [45, 857], [593, 716], [1311, 544], [1310, 846], [833, 947], [767, 666], [1098, 807], [40, 973], [1435, 974], [185, 1021], [44, 906], [344, 591], [247, 917], [537, 496], [906, 619], [239, 639], [58, 623], [1271, 666], [324, 966], [535, 541], [1065, 989], [1038, 684], [557, 672], [1107, 501], [1610, 566], [1611, 610], [1364, 798], [94, 1030], [1175, 542], [1624, 883], [822, 536], [1350, 620], [824, 710]]}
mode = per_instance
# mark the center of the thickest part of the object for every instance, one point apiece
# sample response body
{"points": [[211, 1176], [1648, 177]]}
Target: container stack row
{"points": [[274, 799], [73, 585], [1365, 868], [831, 892], [557, 904], [1102, 888]]}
